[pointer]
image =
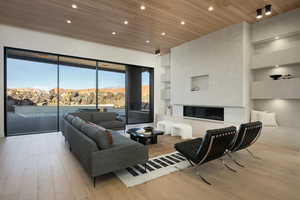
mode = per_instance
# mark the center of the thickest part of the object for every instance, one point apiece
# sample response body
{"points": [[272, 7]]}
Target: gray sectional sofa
{"points": [[90, 146]]}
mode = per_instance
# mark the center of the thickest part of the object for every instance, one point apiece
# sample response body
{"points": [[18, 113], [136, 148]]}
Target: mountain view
{"points": [[38, 97]]}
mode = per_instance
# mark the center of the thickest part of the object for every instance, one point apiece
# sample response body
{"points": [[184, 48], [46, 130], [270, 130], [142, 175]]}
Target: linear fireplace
{"points": [[212, 113]]}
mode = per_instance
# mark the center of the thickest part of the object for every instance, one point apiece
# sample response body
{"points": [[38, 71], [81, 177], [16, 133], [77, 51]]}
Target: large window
{"points": [[31, 93], [41, 87]]}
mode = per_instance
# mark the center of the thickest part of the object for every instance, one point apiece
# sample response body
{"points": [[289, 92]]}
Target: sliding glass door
{"points": [[31, 92], [77, 85], [41, 88], [112, 88]]}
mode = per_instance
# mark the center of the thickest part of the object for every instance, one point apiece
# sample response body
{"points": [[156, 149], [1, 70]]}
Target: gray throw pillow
{"points": [[78, 123], [100, 135], [70, 118], [65, 115]]}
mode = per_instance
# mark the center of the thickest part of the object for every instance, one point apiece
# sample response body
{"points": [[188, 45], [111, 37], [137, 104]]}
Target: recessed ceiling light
{"points": [[114, 33], [143, 7], [182, 22], [163, 33], [69, 21], [276, 38], [147, 41], [125, 22], [210, 8], [74, 6]]}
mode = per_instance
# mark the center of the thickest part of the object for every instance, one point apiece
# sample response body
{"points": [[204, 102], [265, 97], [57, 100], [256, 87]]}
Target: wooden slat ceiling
{"points": [[95, 20]]}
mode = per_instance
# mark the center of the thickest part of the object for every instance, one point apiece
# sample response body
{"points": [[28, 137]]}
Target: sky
{"points": [[28, 74]]}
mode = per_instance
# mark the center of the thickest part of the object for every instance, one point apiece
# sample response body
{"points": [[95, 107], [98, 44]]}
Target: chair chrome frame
{"points": [[236, 147], [231, 130]]}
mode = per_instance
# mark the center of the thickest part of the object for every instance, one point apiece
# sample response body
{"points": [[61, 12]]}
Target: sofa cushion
{"points": [[78, 123], [101, 136], [103, 116], [69, 117], [111, 124], [120, 140], [86, 116]]}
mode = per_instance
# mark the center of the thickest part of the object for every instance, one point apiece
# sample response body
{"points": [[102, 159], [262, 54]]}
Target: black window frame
{"points": [[151, 69]]}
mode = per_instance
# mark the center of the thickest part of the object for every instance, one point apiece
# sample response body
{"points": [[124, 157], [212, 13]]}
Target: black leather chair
{"points": [[247, 135], [213, 146]]}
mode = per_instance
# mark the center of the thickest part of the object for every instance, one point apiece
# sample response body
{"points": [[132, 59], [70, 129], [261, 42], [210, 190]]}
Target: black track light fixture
{"points": [[157, 52], [259, 14], [268, 9]]}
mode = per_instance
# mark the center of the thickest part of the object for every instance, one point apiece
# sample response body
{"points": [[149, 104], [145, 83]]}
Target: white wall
{"points": [[224, 56], [33, 40], [220, 55]]}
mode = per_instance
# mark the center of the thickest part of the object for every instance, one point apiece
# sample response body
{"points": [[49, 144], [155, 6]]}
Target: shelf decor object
{"points": [[275, 76]]}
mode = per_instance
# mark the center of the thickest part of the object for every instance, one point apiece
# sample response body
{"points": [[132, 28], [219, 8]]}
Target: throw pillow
{"points": [[268, 119], [70, 117], [99, 135], [255, 115], [109, 133], [78, 123]]}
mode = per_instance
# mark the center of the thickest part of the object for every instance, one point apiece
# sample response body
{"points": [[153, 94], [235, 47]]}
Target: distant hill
{"points": [[33, 96], [145, 90]]}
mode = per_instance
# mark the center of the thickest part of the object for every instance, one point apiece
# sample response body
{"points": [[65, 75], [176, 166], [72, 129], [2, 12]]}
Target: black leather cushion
{"points": [[247, 134], [189, 148], [212, 146], [222, 140]]}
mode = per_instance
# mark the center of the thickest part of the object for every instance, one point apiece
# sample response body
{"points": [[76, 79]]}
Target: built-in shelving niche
{"points": [[277, 57], [281, 51], [199, 83]]}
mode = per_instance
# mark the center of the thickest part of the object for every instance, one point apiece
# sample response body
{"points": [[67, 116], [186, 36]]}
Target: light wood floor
{"points": [[41, 167]]}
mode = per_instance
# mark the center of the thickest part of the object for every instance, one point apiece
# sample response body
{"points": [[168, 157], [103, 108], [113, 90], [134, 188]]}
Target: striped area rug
{"points": [[156, 167]]}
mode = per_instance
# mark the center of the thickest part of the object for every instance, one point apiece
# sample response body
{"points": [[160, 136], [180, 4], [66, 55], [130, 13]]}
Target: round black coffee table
{"points": [[143, 138]]}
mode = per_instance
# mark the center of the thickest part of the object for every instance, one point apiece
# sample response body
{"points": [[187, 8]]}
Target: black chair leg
{"points": [[202, 178], [229, 168], [94, 181], [192, 165], [254, 156], [236, 162]]}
